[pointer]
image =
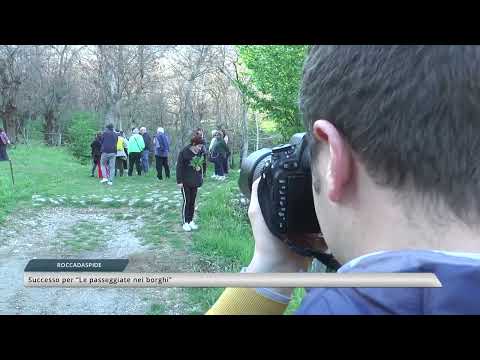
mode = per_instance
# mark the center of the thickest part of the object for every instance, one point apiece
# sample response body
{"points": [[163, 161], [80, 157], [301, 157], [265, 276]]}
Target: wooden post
{"points": [[11, 171]]}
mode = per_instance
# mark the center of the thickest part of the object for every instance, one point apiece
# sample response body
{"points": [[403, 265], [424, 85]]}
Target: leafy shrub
{"points": [[81, 133]]}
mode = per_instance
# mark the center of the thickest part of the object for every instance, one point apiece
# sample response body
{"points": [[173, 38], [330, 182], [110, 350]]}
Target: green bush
{"points": [[81, 133]]}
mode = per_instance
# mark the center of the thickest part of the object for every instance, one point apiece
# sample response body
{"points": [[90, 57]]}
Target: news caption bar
{"points": [[109, 273]]}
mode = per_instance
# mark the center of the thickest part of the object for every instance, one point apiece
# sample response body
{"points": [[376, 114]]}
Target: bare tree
{"points": [[52, 83], [178, 87], [232, 59], [127, 76], [12, 74]]}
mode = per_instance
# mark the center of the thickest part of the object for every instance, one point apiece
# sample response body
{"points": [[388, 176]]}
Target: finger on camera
{"points": [[253, 208]]}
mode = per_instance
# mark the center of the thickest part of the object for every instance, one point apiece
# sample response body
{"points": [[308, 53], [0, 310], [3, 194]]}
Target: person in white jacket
{"points": [[212, 142]]}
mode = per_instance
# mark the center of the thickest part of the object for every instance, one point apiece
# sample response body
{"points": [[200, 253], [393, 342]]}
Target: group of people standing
{"points": [[113, 153]]}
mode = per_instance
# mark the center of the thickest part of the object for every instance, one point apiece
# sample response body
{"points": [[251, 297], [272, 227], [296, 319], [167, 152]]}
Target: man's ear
{"points": [[339, 159]]}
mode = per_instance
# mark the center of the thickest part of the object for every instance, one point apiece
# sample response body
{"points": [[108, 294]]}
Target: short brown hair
{"points": [[196, 139], [411, 112]]}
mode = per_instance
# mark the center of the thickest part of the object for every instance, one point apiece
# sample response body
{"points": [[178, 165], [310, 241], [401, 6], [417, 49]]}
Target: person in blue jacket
{"points": [[108, 154], [162, 149]]}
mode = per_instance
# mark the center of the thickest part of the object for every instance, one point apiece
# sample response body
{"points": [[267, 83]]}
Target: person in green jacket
{"points": [[135, 147], [219, 153]]}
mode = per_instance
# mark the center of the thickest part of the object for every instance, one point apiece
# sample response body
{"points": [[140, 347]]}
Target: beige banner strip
{"points": [[239, 280]]}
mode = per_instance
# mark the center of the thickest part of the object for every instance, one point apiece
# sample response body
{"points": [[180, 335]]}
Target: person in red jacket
{"points": [[96, 146]]}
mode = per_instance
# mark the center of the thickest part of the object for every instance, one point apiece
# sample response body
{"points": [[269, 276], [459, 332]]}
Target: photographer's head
{"points": [[396, 159]]}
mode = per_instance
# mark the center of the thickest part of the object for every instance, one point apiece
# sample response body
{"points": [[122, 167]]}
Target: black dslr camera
{"points": [[285, 192]]}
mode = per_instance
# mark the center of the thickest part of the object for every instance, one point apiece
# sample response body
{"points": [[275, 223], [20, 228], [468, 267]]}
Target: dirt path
{"points": [[143, 229]]}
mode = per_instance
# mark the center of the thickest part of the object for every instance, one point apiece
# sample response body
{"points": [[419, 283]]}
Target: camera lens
{"points": [[282, 148], [252, 168]]}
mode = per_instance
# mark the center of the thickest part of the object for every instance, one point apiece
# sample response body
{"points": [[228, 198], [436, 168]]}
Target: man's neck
{"points": [[415, 230], [379, 218]]}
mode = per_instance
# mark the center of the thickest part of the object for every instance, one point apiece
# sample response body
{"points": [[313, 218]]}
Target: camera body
{"points": [[285, 194], [285, 188]]}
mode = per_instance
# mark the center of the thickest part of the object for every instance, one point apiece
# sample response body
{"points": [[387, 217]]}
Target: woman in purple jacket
{"points": [[4, 141]]}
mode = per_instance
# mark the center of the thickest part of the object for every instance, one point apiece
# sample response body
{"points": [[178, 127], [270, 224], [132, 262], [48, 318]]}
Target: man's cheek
{"points": [[317, 200]]}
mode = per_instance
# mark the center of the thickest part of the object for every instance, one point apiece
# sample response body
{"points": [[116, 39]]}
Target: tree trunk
{"points": [[49, 128], [112, 115], [188, 122], [258, 131], [232, 149], [109, 115], [177, 145], [244, 152], [20, 125], [9, 122]]}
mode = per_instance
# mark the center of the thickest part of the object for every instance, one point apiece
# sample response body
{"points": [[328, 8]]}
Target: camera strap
{"points": [[326, 259]]}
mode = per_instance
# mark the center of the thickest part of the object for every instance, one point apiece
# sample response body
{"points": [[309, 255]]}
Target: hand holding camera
{"points": [[282, 202], [271, 254]]}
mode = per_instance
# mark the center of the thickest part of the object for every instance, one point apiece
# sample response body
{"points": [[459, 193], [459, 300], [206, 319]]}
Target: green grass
{"points": [[224, 241], [37, 170], [49, 172], [83, 235], [224, 231]]}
